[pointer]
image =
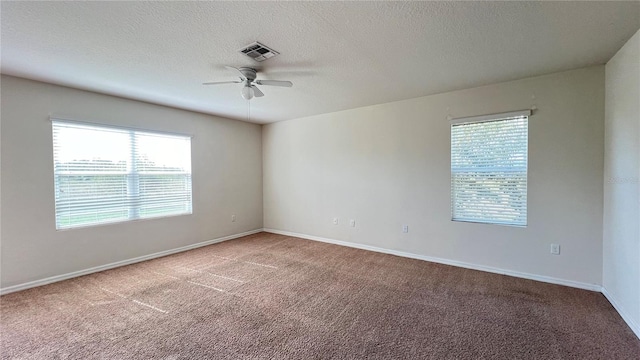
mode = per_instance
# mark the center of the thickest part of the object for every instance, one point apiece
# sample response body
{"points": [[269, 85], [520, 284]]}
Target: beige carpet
{"points": [[268, 296]]}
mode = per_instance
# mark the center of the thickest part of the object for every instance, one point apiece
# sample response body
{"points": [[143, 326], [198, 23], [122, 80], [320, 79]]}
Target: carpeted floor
{"points": [[269, 296]]}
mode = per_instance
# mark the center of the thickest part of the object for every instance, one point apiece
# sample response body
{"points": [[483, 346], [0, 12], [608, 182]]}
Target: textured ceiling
{"points": [[339, 55]]}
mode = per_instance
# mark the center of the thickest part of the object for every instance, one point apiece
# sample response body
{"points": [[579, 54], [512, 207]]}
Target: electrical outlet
{"points": [[405, 228], [335, 221], [233, 218], [555, 249], [352, 223]]}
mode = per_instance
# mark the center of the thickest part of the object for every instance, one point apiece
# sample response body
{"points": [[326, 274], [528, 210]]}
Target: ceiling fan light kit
{"points": [[247, 92]]}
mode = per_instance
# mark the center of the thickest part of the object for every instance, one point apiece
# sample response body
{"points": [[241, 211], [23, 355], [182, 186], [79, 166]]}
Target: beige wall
{"points": [[621, 250], [227, 179], [389, 164]]}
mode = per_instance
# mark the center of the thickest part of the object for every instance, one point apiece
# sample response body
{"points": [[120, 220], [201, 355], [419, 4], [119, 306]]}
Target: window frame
{"points": [[514, 115], [132, 177]]}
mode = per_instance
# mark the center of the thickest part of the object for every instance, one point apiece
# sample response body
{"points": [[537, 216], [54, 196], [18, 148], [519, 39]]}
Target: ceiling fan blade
{"points": [[221, 82], [256, 91], [239, 73], [275, 83]]}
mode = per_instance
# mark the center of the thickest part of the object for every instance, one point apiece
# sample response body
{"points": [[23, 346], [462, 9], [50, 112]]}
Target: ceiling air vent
{"points": [[258, 52]]}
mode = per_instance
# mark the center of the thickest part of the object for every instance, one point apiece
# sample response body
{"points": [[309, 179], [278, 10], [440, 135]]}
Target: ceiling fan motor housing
{"points": [[249, 73]]}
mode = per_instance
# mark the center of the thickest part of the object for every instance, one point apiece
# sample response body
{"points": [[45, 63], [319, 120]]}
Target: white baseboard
{"points": [[116, 264], [547, 279], [635, 327], [576, 284]]}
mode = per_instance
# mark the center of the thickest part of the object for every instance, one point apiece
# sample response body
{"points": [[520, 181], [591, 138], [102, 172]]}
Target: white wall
{"points": [[227, 179], [389, 164], [621, 250]]}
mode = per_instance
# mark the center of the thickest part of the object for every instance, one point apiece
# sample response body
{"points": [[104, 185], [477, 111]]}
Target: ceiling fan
{"points": [[248, 78]]}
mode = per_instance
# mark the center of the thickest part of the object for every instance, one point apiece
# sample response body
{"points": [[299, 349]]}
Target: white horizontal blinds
{"points": [[90, 173], [489, 171], [105, 174], [164, 169]]}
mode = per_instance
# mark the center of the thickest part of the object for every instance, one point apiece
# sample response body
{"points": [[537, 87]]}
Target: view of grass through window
{"points": [[108, 174]]}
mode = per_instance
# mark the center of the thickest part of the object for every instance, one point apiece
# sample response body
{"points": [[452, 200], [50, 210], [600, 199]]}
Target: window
{"points": [[489, 169], [108, 174]]}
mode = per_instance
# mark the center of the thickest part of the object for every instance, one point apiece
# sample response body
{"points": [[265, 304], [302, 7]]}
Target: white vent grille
{"points": [[258, 52]]}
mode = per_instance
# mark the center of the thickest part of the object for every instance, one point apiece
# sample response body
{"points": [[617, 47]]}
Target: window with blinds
{"points": [[108, 174], [489, 170]]}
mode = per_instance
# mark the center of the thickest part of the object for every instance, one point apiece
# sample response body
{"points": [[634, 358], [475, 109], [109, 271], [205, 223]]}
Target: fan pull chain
{"points": [[248, 110]]}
